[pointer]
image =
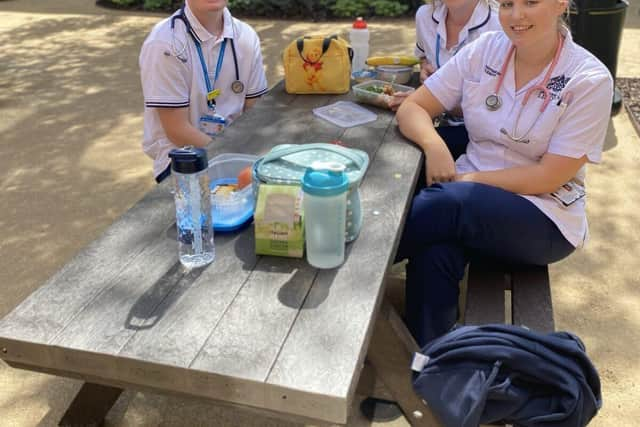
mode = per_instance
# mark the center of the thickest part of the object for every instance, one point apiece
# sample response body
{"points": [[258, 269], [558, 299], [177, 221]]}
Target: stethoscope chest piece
{"points": [[237, 86], [493, 102]]}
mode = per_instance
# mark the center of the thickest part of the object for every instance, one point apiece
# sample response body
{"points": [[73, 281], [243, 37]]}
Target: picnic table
{"points": [[270, 333]]}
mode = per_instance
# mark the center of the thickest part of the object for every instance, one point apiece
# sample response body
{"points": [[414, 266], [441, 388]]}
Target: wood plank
{"points": [[390, 353], [106, 323], [485, 294], [259, 412], [326, 347], [370, 384], [531, 298], [266, 125], [184, 320], [91, 405], [247, 340], [45, 312]]}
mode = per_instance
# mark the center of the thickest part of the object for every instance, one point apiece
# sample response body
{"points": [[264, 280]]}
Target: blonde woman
{"points": [[536, 107]]}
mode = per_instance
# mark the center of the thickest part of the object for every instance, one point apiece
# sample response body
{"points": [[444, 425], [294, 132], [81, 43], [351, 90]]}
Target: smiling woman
{"points": [[533, 106]]}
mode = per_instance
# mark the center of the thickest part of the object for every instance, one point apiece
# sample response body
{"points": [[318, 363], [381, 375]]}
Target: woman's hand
{"points": [[398, 98], [440, 164], [464, 177], [426, 69]]}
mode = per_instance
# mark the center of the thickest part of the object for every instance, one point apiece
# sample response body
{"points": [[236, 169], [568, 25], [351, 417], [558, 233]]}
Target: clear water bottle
{"points": [[193, 206], [359, 39], [325, 188]]}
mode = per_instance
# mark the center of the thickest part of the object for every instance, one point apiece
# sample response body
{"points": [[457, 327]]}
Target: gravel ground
{"points": [[630, 88]]}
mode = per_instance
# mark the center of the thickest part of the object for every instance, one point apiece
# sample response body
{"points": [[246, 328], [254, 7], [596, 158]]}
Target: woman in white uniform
{"points": [[200, 69], [536, 107], [443, 27]]}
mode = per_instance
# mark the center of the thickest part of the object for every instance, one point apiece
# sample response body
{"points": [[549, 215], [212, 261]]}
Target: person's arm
{"points": [[544, 177], [577, 138], [179, 130], [249, 102], [257, 80], [415, 119], [426, 69]]}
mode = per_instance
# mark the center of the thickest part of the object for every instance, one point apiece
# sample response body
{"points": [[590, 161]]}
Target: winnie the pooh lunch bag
{"points": [[286, 164], [317, 65]]}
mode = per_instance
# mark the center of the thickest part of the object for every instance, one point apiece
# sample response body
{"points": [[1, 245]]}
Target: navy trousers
{"points": [[453, 223]]}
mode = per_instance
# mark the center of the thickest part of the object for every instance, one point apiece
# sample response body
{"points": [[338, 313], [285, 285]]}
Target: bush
{"points": [[318, 10], [351, 8]]}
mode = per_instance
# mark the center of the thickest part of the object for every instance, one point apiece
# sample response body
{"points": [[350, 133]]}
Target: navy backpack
{"points": [[503, 373]]}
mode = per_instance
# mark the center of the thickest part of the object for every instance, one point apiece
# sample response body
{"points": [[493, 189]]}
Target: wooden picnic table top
{"points": [[268, 332]]}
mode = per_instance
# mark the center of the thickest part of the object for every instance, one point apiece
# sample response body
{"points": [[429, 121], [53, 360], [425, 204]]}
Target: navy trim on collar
{"points": [[482, 24]]}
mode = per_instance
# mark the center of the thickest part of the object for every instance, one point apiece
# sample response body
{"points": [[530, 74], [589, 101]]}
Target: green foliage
{"points": [[156, 4], [125, 2], [318, 10], [352, 8]]}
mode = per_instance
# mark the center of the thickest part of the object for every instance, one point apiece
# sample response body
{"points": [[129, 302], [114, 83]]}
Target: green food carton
{"points": [[279, 221]]}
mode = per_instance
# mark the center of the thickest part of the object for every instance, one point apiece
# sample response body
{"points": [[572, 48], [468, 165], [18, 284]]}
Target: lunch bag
{"points": [[317, 65], [286, 164]]}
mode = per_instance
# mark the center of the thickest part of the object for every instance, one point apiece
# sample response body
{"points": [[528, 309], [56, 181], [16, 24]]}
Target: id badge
{"points": [[568, 193], [212, 124]]}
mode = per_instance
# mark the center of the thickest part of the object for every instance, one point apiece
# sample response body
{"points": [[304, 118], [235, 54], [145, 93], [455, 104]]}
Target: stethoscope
{"points": [[493, 102], [439, 39], [237, 86]]}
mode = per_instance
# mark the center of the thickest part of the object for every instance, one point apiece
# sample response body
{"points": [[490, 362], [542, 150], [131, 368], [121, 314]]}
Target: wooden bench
{"points": [[492, 293], [518, 295]]}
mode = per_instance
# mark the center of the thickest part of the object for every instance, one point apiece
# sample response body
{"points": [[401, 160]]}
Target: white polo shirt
{"points": [[168, 82], [573, 130], [430, 22]]}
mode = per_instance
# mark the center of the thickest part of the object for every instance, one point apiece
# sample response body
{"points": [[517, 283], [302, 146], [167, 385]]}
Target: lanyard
{"points": [[438, 40], [211, 94]]}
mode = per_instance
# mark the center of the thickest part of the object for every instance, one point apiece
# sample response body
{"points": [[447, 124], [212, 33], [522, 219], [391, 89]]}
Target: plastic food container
{"points": [[373, 92], [345, 114], [400, 74], [363, 75], [232, 210]]}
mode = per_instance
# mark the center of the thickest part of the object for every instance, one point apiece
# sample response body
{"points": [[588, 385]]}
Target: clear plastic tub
{"points": [[345, 114], [400, 74], [230, 211], [371, 92]]}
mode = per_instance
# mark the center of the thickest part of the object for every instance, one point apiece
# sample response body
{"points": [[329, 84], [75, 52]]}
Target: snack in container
{"points": [[363, 75], [232, 199], [378, 92]]}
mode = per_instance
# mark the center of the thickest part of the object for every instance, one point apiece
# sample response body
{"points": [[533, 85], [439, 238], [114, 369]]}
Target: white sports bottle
{"points": [[359, 38]]}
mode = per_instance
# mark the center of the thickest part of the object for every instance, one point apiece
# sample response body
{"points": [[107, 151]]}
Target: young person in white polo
{"points": [[200, 69], [443, 27], [536, 106]]}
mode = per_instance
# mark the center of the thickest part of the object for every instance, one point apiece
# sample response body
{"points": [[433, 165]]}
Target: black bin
{"points": [[597, 26]]}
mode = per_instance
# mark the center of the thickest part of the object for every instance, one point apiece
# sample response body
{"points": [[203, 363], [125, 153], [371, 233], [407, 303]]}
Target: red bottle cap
{"points": [[359, 23]]}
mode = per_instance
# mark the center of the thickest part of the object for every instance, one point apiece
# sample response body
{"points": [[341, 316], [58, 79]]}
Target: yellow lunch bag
{"points": [[317, 65]]}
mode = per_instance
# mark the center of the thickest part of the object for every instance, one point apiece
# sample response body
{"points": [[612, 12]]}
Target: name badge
{"points": [[212, 124], [568, 193]]}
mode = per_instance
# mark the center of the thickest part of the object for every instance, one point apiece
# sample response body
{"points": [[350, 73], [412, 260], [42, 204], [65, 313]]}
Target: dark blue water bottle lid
{"points": [[188, 159]]}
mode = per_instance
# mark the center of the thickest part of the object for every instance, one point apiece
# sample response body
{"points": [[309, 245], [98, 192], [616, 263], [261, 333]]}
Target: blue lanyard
{"points": [[210, 102], [438, 40]]}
